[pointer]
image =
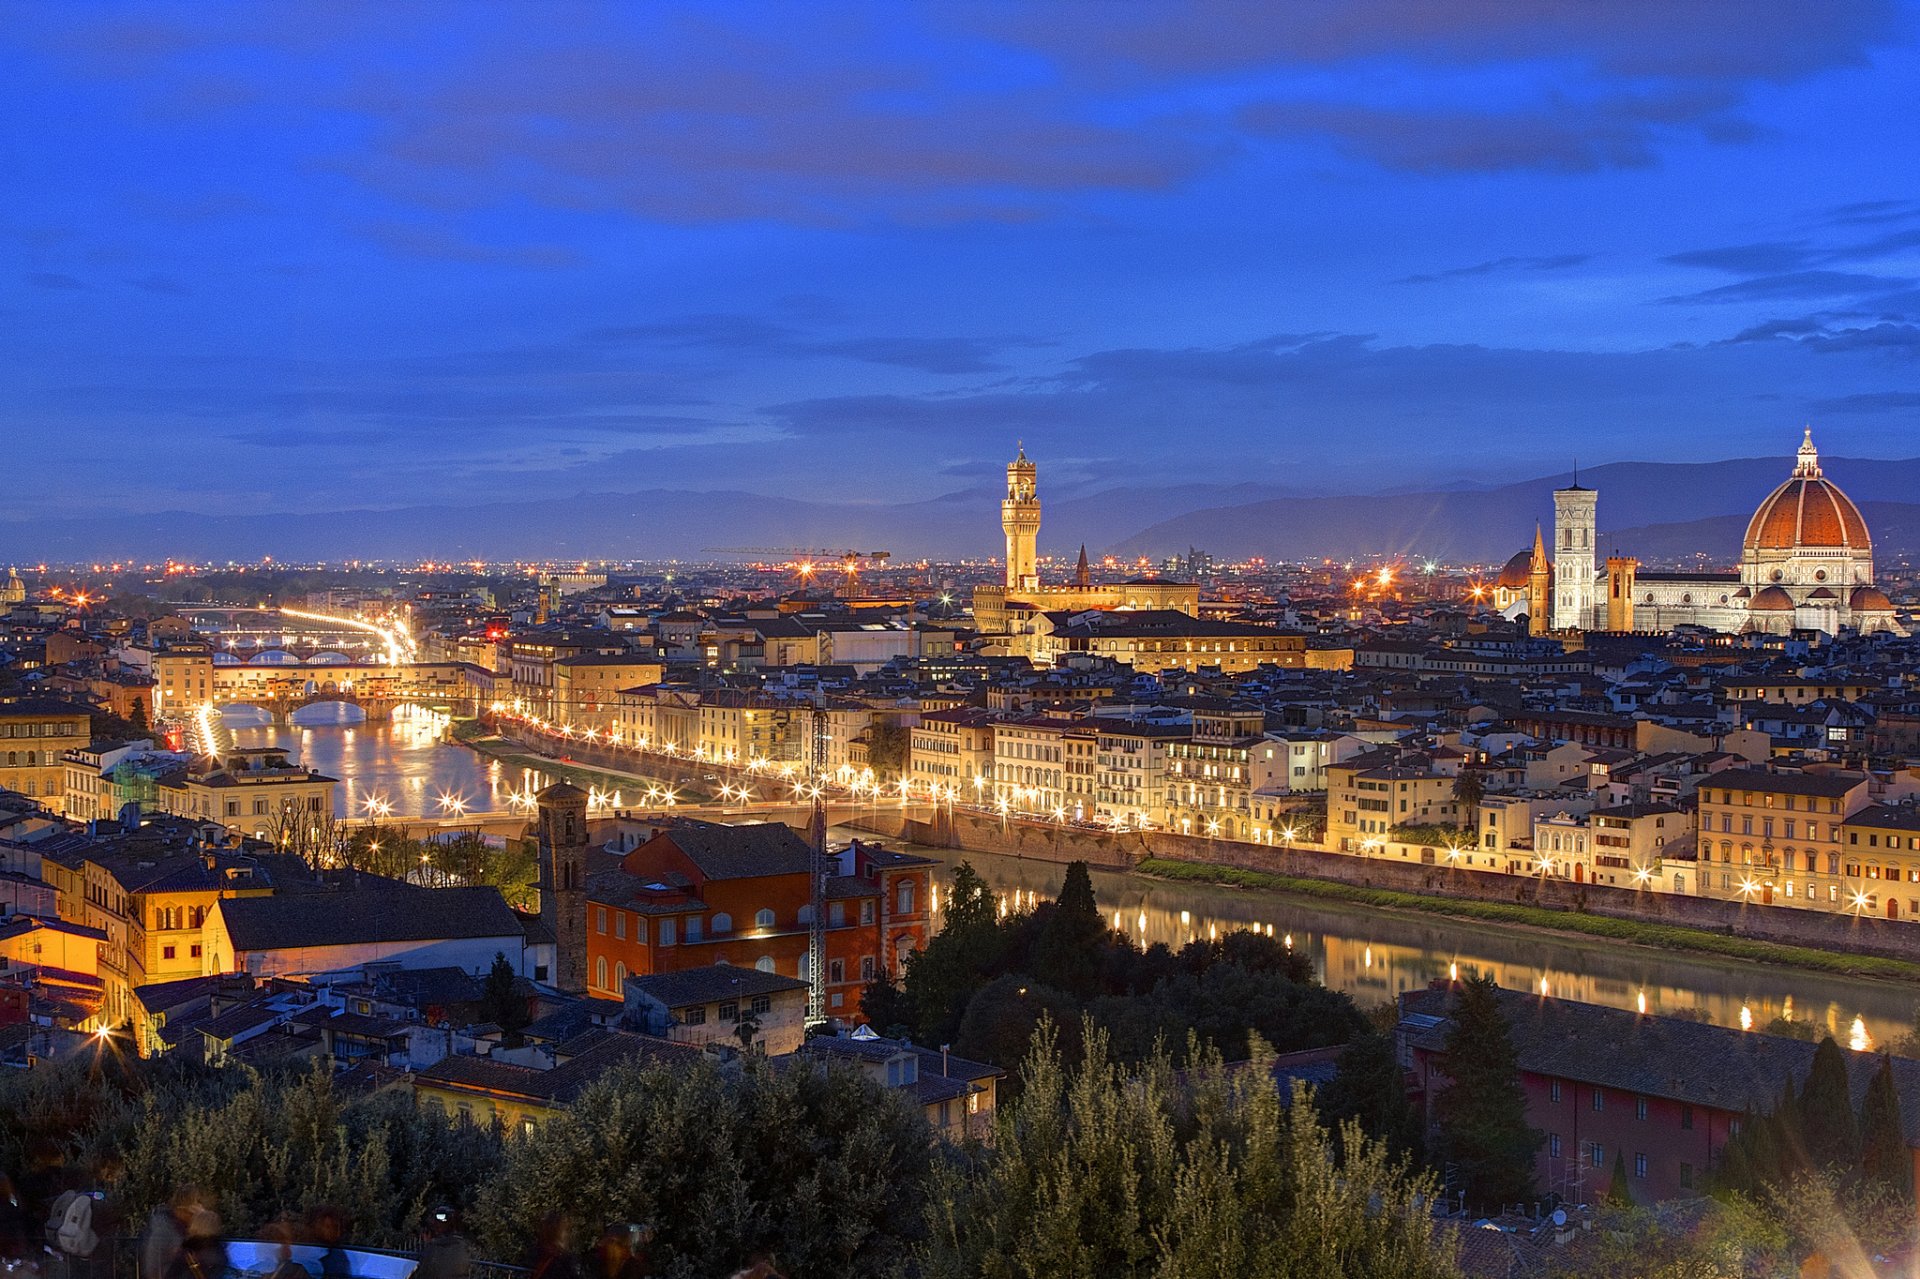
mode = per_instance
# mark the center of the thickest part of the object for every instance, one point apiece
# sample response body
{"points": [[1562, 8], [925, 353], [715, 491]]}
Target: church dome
{"points": [[1809, 510], [1771, 600], [1869, 599], [1517, 573]]}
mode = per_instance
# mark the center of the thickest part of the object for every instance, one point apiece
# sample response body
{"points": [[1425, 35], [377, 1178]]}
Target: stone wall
{"points": [[1848, 934]]}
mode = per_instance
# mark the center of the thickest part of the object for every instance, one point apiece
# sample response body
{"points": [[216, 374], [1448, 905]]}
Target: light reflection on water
{"points": [[1375, 955], [404, 761]]}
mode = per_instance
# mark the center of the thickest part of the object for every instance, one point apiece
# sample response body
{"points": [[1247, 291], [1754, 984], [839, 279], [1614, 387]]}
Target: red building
{"points": [[1663, 1093], [701, 893]]}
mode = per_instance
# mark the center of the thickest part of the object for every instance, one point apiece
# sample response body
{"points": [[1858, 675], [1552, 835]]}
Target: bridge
{"points": [[518, 822], [282, 687]]}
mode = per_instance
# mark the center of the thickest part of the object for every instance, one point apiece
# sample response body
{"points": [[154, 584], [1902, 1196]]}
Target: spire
{"points": [[1809, 465], [1082, 575], [1539, 545]]}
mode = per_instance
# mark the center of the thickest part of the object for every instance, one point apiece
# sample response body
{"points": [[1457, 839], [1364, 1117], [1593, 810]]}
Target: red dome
{"points": [[1771, 600], [1518, 573], [1808, 510], [1869, 599]]}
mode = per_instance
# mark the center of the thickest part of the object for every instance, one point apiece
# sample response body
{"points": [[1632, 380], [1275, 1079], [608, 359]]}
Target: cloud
{"points": [[1871, 402], [53, 280], [1556, 262], [751, 334], [441, 244], [161, 284], [1795, 284]]}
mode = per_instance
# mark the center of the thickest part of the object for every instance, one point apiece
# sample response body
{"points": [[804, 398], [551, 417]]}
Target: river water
{"points": [[1372, 955]]}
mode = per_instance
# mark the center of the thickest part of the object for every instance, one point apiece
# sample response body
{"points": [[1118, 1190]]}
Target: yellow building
{"points": [[586, 686], [1157, 640], [259, 792], [1367, 799], [953, 749], [182, 680], [1881, 859], [35, 735], [1778, 839]]}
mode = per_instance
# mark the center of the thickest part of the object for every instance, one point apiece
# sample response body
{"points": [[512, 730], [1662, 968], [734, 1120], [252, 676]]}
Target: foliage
{"points": [[1620, 1190], [1785, 1029], [985, 982], [1369, 1087], [1096, 1172], [1431, 833], [885, 1007], [887, 746], [1885, 1159], [824, 1166], [1481, 1113], [1669, 936], [501, 1000], [1469, 787], [1697, 1239], [1826, 1110]]}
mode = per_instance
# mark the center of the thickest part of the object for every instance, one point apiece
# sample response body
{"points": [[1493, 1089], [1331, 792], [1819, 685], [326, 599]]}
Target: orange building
{"points": [[701, 893]]}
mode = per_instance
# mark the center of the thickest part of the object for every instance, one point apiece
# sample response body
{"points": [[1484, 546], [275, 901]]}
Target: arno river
{"points": [[1369, 954]]}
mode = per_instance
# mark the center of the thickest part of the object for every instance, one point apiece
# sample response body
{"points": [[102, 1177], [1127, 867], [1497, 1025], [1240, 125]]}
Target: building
{"points": [[182, 680], [1881, 858], [518, 1096], [1009, 609], [304, 934], [561, 818], [1210, 776], [586, 686], [700, 893], [1663, 1094], [720, 1004], [1153, 640], [953, 751], [1806, 563], [1131, 771], [1368, 798], [1778, 839], [259, 791], [958, 1097], [36, 733]]}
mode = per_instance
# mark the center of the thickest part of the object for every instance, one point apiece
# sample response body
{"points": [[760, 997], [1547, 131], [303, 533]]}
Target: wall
{"points": [[975, 832]]}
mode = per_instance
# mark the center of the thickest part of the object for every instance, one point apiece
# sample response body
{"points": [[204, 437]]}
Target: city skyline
{"points": [[293, 262]]}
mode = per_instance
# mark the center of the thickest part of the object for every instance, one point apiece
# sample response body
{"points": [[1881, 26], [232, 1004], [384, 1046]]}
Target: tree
{"points": [[501, 1000], [887, 745], [967, 952], [138, 717], [1716, 1240], [1101, 1172], [1067, 953], [826, 1167], [1619, 1190], [1481, 1113], [886, 1008], [1469, 787], [1826, 1110], [1885, 1159], [1369, 1088]]}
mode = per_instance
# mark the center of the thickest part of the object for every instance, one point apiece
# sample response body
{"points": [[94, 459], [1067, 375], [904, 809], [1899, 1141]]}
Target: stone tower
{"points": [[562, 824], [1539, 588], [1082, 572], [1020, 517], [1573, 572], [1620, 578]]}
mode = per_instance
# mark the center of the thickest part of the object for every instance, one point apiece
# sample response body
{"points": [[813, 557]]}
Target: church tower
{"points": [[1020, 517], [1574, 509], [1539, 588], [563, 881]]}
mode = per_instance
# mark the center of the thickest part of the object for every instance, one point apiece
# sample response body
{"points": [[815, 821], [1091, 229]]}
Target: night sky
{"points": [[311, 257]]}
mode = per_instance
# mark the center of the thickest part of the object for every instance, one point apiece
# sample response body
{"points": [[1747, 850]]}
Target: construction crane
{"points": [[810, 560]]}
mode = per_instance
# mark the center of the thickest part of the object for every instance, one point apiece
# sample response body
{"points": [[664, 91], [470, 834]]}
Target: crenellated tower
{"points": [[1020, 517], [562, 830]]}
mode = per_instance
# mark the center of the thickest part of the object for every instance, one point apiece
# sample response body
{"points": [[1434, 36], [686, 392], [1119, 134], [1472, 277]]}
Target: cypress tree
{"points": [[1619, 1193], [1481, 1114], [1885, 1160], [1067, 953], [1826, 1111]]}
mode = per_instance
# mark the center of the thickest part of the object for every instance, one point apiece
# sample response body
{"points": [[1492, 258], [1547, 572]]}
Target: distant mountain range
{"points": [[1660, 512]]}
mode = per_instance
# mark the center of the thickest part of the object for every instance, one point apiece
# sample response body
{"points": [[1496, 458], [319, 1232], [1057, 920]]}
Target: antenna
{"points": [[817, 865]]}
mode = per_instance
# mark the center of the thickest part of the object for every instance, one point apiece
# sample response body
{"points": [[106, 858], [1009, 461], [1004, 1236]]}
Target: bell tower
{"points": [[562, 826], [1573, 552], [1020, 517]]}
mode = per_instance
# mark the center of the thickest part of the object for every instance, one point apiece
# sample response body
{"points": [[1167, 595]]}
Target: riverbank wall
{"points": [[1125, 850]]}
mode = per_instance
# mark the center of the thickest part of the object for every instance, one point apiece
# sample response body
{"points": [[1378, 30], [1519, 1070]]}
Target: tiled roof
{"points": [[1832, 786], [367, 915], [741, 852], [711, 984]]}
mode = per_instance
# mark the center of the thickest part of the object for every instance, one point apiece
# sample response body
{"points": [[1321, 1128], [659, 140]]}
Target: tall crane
{"points": [[809, 560], [818, 865]]}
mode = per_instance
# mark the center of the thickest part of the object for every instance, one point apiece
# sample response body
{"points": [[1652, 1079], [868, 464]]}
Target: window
{"points": [[722, 923], [666, 931], [1639, 1107], [1553, 1144], [1686, 1118], [761, 1005], [696, 1016], [1598, 1154], [866, 911], [1599, 1100], [695, 929], [1553, 1092], [763, 918], [1639, 1165], [906, 897], [866, 968], [620, 976], [166, 952], [836, 970], [1686, 1176], [764, 963], [600, 972], [836, 914], [600, 920], [620, 924], [730, 1011], [193, 951]]}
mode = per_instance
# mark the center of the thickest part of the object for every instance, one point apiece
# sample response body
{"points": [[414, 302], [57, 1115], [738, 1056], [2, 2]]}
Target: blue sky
{"points": [[291, 258]]}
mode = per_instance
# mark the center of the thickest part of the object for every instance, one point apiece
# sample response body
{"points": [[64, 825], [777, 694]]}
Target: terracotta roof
{"points": [[1807, 511]]}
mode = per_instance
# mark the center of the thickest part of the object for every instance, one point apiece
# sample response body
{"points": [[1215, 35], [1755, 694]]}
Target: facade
{"points": [[720, 1004], [1779, 839], [36, 733], [1132, 777], [259, 792], [586, 686], [297, 935], [1806, 563], [1367, 800], [1154, 640], [699, 894], [953, 751], [562, 843]]}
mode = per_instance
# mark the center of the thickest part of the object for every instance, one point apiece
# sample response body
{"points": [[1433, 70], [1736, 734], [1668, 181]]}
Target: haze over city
{"points": [[312, 259]]}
